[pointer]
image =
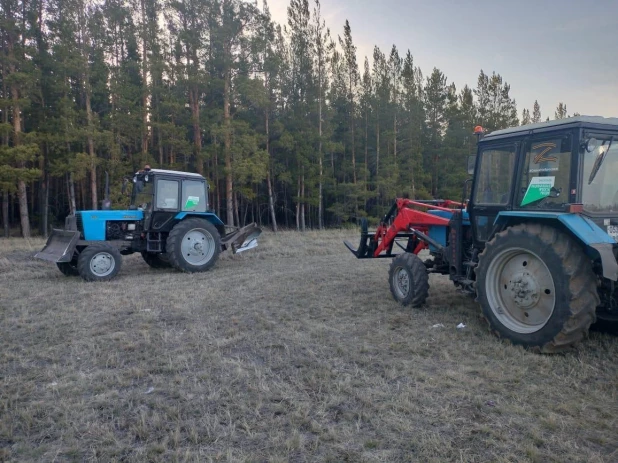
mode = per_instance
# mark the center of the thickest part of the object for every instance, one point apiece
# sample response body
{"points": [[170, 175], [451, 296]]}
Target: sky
{"points": [[547, 50]]}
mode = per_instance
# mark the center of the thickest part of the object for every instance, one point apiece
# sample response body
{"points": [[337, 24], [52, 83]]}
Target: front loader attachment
{"points": [[366, 240], [402, 222], [60, 246], [242, 239]]}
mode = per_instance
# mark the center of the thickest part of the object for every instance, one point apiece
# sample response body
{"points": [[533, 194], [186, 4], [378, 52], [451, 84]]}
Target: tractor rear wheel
{"points": [[99, 262], [409, 280], [536, 288], [156, 260], [193, 245]]}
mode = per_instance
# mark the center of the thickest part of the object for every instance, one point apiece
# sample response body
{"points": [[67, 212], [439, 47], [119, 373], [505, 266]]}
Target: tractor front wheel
{"points": [[536, 288], [193, 245], [68, 269], [409, 280], [99, 262]]}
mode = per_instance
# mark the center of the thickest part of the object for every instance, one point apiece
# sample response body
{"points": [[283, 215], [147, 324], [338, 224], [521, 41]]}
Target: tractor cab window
{"points": [[167, 194], [193, 196], [493, 185], [141, 196], [492, 190], [600, 190], [545, 181]]}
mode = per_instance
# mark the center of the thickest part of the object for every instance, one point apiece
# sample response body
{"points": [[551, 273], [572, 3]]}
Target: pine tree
{"points": [[561, 111], [525, 117], [321, 40], [436, 94], [536, 113], [18, 152]]}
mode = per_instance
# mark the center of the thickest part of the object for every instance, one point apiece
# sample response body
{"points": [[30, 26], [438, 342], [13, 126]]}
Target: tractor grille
{"points": [[80, 224]]}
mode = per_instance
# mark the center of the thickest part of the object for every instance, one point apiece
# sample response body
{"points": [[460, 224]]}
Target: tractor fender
{"points": [[596, 242], [210, 216]]}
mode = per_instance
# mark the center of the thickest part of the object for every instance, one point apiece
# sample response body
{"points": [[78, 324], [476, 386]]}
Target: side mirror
{"points": [[471, 164]]}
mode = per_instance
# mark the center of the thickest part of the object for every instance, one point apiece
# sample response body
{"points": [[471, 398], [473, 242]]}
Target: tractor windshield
{"points": [[141, 196], [601, 194]]}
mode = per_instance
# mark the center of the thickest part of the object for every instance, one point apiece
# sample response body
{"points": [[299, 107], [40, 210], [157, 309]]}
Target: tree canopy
{"points": [[285, 122]]}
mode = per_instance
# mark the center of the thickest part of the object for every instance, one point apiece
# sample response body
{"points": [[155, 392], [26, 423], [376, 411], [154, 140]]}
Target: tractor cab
{"points": [[543, 170], [163, 194]]}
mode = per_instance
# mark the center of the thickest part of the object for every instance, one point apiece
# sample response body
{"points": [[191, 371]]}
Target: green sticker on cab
{"points": [[192, 202], [539, 188]]}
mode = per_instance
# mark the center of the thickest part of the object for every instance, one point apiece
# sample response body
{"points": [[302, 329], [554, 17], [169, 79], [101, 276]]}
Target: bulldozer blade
{"points": [[60, 246], [242, 239]]}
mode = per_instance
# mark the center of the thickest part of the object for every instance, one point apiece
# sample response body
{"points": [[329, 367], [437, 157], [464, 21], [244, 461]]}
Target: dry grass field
{"points": [[294, 352]]}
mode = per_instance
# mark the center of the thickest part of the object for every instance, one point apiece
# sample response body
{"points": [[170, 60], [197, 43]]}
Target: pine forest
{"points": [[291, 127]]}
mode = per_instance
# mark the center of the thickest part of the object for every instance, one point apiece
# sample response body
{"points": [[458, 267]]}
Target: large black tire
{"points": [[536, 288], [156, 260], [99, 262], [68, 269], [193, 245], [408, 279]]}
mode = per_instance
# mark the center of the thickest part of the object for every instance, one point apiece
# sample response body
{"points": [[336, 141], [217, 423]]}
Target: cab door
{"points": [[492, 190]]}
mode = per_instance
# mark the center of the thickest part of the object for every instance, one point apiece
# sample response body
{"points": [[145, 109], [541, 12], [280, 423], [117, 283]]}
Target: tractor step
{"points": [[154, 242]]}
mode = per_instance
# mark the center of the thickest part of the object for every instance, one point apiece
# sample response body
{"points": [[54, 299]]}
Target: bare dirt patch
{"points": [[292, 352]]}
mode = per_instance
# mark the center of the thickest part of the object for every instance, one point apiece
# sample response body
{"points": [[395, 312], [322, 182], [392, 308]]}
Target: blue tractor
{"points": [[537, 241], [168, 223]]}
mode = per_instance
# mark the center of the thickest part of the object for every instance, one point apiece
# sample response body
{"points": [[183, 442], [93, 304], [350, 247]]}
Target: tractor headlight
{"points": [[131, 227]]}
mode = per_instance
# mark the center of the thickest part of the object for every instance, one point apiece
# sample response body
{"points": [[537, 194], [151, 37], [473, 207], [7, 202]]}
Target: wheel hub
{"points": [[198, 247], [102, 264], [520, 290], [524, 290], [402, 283]]}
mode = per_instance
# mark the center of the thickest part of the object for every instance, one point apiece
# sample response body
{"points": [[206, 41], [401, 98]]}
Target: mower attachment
{"points": [[60, 246], [242, 239]]}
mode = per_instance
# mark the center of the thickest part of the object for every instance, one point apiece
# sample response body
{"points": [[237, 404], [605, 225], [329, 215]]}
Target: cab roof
{"points": [[591, 122], [172, 172]]}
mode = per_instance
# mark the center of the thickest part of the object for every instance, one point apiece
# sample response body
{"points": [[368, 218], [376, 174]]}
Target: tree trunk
{"points": [[366, 154], [197, 132], [71, 192], [353, 143], [5, 213], [145, 84], [22, 194], [91, 152], [395, 136], [229, 187], [271, 201], [321, 171], [23, 208], [236, 207], [298, 205], [378, 157], [302, 202]]}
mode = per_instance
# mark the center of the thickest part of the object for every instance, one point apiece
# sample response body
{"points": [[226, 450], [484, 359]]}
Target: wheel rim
{"points": [[520, 290], [401, 282], [198, 247], [102, 264]]}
